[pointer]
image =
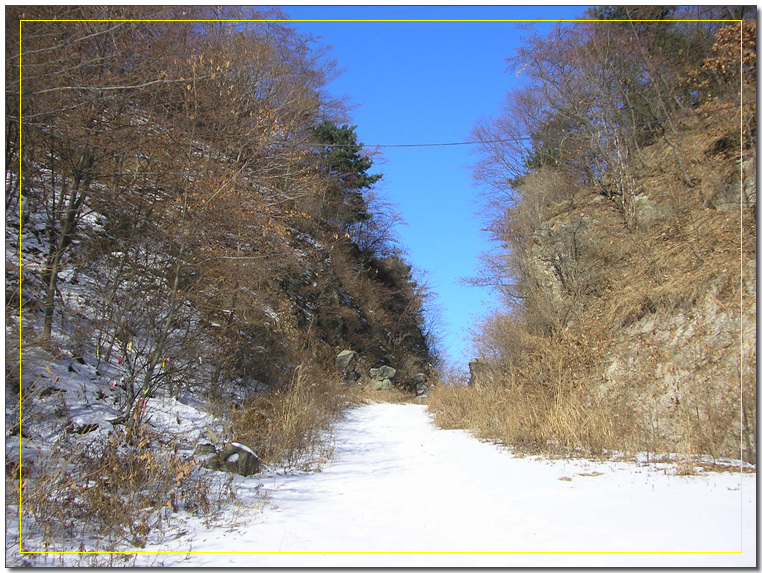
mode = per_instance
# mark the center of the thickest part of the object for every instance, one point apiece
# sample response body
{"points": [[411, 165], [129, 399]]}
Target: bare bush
{"points": [[100, 494]]}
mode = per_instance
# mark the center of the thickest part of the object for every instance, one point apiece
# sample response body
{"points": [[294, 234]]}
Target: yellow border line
{"points": [[22, 552], [19, 246], [742, 285]]}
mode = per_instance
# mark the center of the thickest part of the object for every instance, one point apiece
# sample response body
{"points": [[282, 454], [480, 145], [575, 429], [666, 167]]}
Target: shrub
{"points": [[291, 425], [107, 492], [566, 420]]}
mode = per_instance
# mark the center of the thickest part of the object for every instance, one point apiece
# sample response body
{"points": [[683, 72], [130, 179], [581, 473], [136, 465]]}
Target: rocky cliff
{"points": [[664, 313]]}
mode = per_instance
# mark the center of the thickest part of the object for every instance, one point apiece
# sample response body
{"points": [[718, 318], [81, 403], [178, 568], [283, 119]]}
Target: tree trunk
{"points": [[53, 260]]}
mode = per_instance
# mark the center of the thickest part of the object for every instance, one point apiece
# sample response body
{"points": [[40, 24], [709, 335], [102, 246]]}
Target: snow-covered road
{"points": [[420, 496]]}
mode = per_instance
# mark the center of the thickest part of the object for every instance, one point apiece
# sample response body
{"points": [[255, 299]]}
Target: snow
{"points": [[244, 448], [271, 313], [401, 492]]}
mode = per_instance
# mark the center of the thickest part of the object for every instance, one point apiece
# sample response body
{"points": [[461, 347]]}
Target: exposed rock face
{"points": [[421, 388], [670, 356], [346, 363], [381, 378], [233, 458], [204, 449], [476, 369], [681, 371], [749, 349]]}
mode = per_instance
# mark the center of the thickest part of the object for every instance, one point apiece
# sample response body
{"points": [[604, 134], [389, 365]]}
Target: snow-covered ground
{"points": [[401, 492]]}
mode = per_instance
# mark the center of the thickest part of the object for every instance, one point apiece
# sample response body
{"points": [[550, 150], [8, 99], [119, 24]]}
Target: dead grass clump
{"points": [[537, 393], [290, 426], [107, 492], [673, 266], [532, 419], [451, 406], [393, 396]]}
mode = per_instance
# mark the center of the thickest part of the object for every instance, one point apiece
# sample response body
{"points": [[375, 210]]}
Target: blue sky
{"points": [[429, 82]]}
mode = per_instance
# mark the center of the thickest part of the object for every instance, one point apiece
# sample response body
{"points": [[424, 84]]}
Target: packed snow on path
{"points": [[401, 492]]}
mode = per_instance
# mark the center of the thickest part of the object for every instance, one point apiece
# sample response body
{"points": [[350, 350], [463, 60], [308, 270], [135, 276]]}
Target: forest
{"points": [[200, 178]]}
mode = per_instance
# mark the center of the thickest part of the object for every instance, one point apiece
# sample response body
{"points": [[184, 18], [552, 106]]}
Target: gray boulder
{"points": [[234, 458], [204, 449], [385, 372], [384, 384], [381, 378], [346, 362], [421, 388]]}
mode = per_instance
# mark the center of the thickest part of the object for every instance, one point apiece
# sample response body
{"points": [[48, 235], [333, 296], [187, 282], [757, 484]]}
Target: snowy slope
{"points": [[430, 497]]}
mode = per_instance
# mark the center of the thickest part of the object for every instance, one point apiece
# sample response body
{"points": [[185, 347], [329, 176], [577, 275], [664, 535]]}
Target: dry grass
{"points": [[672, 387], [291, 426], [394, 396], [101, 494], [582, 420], [561, 421], [101, 491]]}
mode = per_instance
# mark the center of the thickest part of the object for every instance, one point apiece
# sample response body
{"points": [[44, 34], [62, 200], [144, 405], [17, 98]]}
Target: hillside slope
{"points": [[626, 231], [191, 233]]}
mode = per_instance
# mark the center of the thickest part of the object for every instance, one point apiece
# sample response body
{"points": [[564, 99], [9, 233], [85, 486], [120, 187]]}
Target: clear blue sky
{"points": [[429, 82]]}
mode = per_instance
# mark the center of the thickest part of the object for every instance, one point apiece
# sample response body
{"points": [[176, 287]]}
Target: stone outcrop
{"points": [[346, 363], [421, 387], [378, 378], [476, 369], [381, 378], [233, 458]]}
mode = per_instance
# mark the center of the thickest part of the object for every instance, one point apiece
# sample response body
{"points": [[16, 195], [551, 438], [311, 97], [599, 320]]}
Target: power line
{"points": [[438, 144], [391, 145], [511, 140]]}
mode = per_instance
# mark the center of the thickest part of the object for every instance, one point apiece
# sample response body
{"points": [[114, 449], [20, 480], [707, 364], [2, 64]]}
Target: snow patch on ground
{"points": [[401, 492]]}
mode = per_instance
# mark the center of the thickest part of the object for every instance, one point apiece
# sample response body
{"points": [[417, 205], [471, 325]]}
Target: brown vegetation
{"points": [[290, 427], [622, 222], [184, 222]]}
